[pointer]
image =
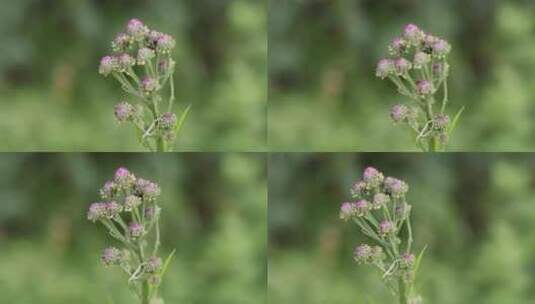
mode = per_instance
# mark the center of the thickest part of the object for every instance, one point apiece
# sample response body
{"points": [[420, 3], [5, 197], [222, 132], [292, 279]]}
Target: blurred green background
{"points": [[324, 95], [214, 214], [52, 97], [474, 211]]}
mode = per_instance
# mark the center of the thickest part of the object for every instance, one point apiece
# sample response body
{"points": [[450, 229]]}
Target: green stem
{"points": [[145, 297], [402, 292], [433, 144]]}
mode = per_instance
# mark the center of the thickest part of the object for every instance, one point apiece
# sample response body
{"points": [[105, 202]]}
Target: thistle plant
{"points": [[143, 66], [419, 68], [131, 215], [381, 211]]}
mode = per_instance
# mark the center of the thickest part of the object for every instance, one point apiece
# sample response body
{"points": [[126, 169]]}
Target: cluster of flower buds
{"points": [[381, 211], [131, 215], [418, 67], [142, 64]]}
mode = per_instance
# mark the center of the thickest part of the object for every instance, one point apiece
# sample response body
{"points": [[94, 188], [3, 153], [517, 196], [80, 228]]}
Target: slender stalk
{"points": [[402, 291]]}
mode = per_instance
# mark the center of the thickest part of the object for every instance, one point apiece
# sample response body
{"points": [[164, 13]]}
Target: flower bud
{"points": [[372, 177], [111, 256], [399, 113], [402, 66], [395, 187], [150, 84], [441, 48], [123, 111], [385, 67], [153, 264], [165, 43], [108, 191], [136, 230], [136, 29], [121, 42], [386, 227], [131, 202], [407, 260], [358, 189], [398, 46], [347, 211], [113, 209], [377, 254], [441, 121], [123, 178], [168, 120], [361, 207], [144, 55], [424, 87], [125, 61], [403, 210], [107, 65], [421, 59], [362, 253], [380, 200], [96, 211], [146, 189], [413, 34]]}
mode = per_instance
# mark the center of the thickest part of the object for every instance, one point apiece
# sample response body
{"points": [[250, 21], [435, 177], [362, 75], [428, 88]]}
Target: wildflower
{"points": [[113, 209], [361, 207], [136, 230], [166, 66], [96, 211], [123, 111], [150, 84], [125, 61], [421, 59], [395, 187], [124, 178], [144, 55], [424, 87], [403, 210], [399, 113], [398, 46], [165, 43], [136, 29], [146, 189], [413, 34], [131, 202], [358, 188], [108, 191], [441, 121], [347, 211], [150, 212], [111, 256], [386, 227], [121, 42], [362, 253], [385, 67], [153, 264], [152, 39], [402, 66], [107, 65], [441, 48], [437, 69], [167, 120], [372, 177], [380, 200], [407, 260]]}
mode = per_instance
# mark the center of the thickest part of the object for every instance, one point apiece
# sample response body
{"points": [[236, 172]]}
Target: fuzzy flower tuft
{"points": [[96, 211], [385, 67], [111, 256], [107, 65], [136, 230]]}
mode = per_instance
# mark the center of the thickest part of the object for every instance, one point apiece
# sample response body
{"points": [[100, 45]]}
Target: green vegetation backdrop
{"points": [[214, 214], [324, 95], [474, 211], [52, 97]]}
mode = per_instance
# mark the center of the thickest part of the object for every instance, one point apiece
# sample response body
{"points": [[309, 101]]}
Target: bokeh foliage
{"points": [[52, 97], [324, 95], [214, 214], [473, 211]]}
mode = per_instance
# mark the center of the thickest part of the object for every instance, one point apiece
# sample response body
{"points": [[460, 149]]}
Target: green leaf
{"points": [[182, 119], [455, 120], [419, 259], [167, 262]]}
